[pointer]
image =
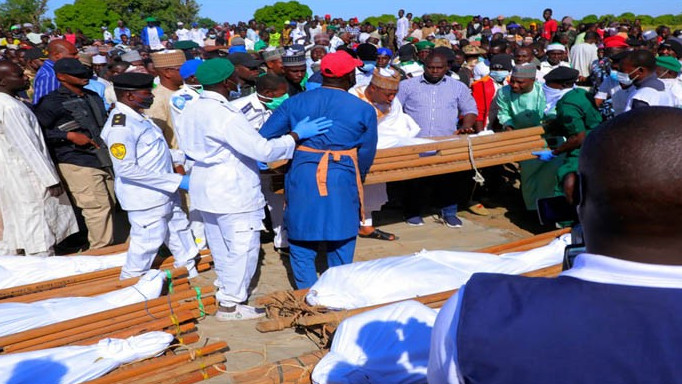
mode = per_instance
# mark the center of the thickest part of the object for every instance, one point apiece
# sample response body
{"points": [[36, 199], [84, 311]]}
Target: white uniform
{"points": [[225, 186], [147, 189], [30, 219], [182, 34], [178, 101], [197, 36], [257, 114]]}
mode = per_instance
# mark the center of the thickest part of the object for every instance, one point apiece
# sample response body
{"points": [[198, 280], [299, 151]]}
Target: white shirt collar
{"points": [[609, 270]]}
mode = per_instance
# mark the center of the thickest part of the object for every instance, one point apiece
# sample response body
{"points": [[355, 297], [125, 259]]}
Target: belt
{"points": [[323, 169]]}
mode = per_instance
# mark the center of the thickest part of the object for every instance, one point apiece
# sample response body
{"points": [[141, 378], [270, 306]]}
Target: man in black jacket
{"points": [[72, 118]]}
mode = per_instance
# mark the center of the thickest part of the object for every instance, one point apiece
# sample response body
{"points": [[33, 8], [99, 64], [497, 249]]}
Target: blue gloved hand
{"points": [[306, 128], [544, 155], [184, 184], [262, 166]]}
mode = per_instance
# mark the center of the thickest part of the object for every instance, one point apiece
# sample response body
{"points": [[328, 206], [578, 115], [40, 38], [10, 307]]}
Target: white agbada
{"points": [[33, 220], [582, 56], [395, 128]]}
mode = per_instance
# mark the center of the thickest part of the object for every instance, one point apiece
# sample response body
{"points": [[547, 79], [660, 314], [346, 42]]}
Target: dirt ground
{"points": [[507, 221]]}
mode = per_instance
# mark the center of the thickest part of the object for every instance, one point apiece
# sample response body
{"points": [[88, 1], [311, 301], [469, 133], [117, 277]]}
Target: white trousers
{"points": [[234, 239], [276, 207], [152, 227]]}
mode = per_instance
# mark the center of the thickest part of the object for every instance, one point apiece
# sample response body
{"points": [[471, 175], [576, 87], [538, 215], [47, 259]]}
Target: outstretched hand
{"points": [[306, 128]]}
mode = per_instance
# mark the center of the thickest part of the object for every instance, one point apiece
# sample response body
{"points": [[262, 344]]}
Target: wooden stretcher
{"points": [[447, 154]]}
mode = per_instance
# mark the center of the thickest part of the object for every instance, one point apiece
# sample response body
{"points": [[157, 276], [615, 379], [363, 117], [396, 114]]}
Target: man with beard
{"points": [[555, 54]]}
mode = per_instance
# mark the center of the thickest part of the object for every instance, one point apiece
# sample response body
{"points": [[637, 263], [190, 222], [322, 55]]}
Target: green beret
{"points": [[424, 44], [214, 71], [669, 62], [260, 45], [185, 44]]}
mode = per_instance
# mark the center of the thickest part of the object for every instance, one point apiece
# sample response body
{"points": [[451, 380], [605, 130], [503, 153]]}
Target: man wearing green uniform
{"points": [[521, 105], [576, 116]]}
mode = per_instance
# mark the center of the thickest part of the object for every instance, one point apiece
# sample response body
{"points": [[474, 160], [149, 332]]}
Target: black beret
{"points": [[562, 74], [34, 53], [185, 44], [73, 67], [501, 61], [366, 52], [132, 81], [244, 59]]}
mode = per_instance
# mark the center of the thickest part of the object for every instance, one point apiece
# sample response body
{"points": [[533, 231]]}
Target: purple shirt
{"points": [[436, 107]]}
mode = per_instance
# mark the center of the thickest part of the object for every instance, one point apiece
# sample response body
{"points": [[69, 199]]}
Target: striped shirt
{"points": [[436, 107], [45, 81]]}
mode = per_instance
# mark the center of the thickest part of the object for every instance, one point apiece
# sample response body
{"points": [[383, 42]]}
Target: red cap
{"points": [[327, 16], [615, 42], [338, 64]]}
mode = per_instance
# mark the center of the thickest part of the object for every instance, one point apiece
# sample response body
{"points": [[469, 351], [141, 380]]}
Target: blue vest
{"points": [[515, 329]]}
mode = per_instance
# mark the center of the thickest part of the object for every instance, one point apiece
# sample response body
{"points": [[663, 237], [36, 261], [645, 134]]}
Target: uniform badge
{"points": [[247, 108], [178, 102], [119, 120], [118, 150]]}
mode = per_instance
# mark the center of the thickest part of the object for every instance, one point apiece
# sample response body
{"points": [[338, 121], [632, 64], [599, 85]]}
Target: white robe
{"points": [[33, 220]]}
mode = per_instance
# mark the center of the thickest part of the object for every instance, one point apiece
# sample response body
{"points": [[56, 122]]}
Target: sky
{"points": [[242, 10]]}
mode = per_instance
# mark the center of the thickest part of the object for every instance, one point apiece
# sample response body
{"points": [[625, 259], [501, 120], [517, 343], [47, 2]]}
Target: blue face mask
{"points": [[614, 75], [369, 66], [499, 76], [235, 94]]}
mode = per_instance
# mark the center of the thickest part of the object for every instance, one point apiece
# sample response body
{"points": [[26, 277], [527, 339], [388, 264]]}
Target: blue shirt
{"points": [[436, 107], [45, 81], [120, 31], [309, 216], [99, 89]]}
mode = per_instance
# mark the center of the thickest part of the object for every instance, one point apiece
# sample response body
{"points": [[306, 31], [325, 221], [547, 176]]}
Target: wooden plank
{"points": [[464, 156], [439, 169]]}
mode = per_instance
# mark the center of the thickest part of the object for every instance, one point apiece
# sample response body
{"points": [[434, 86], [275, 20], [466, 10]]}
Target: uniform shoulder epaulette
{"points": [[178, 102], [119, 120]]}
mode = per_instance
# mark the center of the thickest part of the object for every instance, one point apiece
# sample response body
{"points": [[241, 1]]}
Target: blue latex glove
{"points": [[262, 166], [307, 128], [184, 184], [544, 155]]}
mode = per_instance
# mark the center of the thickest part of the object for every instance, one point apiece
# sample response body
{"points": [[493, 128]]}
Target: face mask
{"points": [[235, 94], [196, 88], [274, 101], [499, 76], [368, 67], [614, 75], [481, 59], [145, 102], [624, 79]]}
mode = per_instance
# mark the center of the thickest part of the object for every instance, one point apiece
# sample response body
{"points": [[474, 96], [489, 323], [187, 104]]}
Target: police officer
{"points": [[225, 183], [145, 183], [576, 116]]}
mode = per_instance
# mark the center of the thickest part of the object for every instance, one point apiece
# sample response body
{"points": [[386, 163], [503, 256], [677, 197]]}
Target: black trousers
{"points": [[439, 191]]}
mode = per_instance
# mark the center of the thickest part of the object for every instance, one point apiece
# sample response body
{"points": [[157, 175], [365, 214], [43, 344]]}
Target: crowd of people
{"points": [[176, 128]]}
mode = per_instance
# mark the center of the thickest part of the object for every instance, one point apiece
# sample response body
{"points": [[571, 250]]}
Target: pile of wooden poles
{"points": [[451, 154], [91, 283], [176, 312]]}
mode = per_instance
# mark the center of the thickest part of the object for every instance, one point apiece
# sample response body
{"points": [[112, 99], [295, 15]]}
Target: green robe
{"points": [[576, 113], [538, 178]]}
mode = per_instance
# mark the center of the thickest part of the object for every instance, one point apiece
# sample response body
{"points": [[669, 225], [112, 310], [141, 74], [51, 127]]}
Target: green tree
{"points": [[167, 12], [278, 13], [385, 18], [664, 20], [589, 19], [206, 22], [22, 11], [86, 15]]}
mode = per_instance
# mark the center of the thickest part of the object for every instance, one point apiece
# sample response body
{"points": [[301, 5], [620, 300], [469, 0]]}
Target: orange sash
{"points": [[323, 169]]}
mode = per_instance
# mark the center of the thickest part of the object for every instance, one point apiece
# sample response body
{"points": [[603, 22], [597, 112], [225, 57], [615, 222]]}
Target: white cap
{"points": [[181, 23], [556, 47], [99, 59]]}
